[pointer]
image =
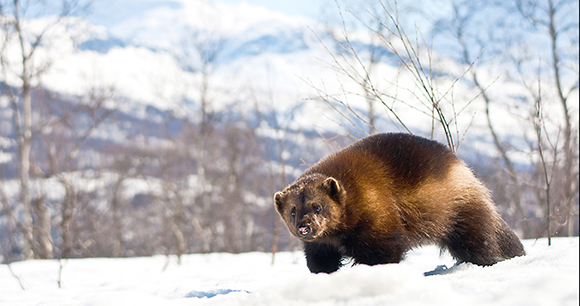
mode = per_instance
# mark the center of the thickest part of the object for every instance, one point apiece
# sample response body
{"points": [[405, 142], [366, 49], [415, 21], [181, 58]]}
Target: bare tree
{"points": [[552, 81], [547, 74], [372, 52], [471, 50], [548, 14], [277, 177], [63, 137], [27, 71], [414, 56]]}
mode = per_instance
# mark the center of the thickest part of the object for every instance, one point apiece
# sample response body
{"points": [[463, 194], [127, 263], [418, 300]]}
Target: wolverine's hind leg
{"points": [[479, 235], [509, 244]]}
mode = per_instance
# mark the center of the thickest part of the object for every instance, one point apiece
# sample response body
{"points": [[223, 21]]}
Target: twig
{"points": [[8, 264], [60, 268]]}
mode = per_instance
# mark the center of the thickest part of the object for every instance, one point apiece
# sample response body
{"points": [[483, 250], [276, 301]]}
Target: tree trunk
{"points": [[180, 240], [24, 129], [115, 206], [67, 214], [24, 143], [570, 158], [512, 174], [43, 236]]}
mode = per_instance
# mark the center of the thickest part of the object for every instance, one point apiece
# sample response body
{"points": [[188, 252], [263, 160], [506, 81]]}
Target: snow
{"points": [[547, 275]]}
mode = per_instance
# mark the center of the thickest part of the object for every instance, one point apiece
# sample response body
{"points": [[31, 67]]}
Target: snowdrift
{"points": [[546, 276]]}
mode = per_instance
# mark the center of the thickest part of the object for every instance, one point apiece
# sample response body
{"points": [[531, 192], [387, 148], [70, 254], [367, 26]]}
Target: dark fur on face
{"points": [[312, 207]]}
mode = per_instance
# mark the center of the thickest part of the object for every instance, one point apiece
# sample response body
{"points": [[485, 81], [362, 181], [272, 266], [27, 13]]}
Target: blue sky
{"points": [[308, 8], [111, 12]]}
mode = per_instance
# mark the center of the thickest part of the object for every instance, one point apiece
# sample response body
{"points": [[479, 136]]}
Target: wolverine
{"points": [[386, 194]]}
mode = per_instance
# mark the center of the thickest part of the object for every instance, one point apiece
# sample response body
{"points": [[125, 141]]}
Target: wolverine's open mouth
{"points": [[311, 231], [305, 233], [304, 230]]}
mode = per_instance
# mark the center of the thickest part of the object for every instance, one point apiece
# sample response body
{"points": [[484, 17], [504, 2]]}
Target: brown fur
{"points": [[385, 194]]}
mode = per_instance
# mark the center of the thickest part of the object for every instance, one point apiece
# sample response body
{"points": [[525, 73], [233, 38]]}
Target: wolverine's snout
{"points": [[304, 230]]}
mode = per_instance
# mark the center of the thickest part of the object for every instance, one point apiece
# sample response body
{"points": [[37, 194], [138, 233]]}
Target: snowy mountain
{"points": [[143, 56], [149, 53], [144, 50]]}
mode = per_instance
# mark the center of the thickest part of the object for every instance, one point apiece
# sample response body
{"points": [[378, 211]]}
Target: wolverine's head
{"points": [[312, 206]]}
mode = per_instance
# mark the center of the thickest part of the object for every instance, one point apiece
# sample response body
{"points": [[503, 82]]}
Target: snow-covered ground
{"points": [[546, 276]]}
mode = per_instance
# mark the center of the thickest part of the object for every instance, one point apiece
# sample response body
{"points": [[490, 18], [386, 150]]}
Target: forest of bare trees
{"points": [[203, 181]]}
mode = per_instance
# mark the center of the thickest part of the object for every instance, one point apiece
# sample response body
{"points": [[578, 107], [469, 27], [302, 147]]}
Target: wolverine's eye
{"points": [[317, 209], [293, 212]]}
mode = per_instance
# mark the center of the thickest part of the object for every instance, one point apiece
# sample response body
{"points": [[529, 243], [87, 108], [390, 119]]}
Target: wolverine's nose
{"points": [[304, 230]]}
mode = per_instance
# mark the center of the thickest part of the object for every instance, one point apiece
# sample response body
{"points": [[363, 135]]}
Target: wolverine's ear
{"points": [[332, 187], [279, 201]]}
